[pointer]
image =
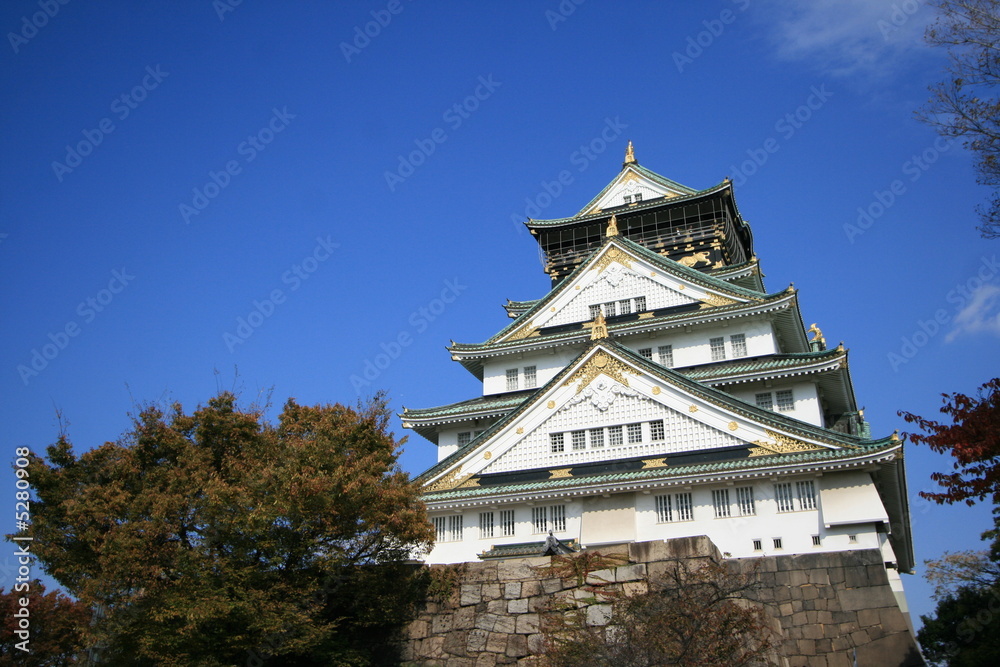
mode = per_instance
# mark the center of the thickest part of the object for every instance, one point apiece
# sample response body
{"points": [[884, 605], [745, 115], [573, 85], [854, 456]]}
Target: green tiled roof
{"points": [[773, 362], [496, 402]]}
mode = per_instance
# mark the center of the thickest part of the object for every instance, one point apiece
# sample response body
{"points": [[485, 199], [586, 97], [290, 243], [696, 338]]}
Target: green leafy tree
{"points": [[965, 105], [55, 625], [217, 538]]}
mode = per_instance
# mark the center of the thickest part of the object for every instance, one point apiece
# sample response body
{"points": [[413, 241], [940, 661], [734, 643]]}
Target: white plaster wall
{"points": [[807, 404], [692, 348], [547, 365]]}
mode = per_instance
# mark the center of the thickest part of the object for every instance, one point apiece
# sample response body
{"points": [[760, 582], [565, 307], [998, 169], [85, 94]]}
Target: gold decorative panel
{"points": [[613, 254], [600, 363]]}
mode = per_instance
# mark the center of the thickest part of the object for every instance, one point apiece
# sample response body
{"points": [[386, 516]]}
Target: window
{"points": [[807, 494], [673, 508], [485, 525], [511, 379], [739, 342], [853, 539], [783, 494], [634, 433], [777, 543], [464, 438], [784, 400], [627, 199], [718, 346], [530, 377], [656, 430], [539, 519], [625, 306], [685, 511], [556, 442], [440, 525], [665, 353], [763, 401], [448, 528], [610, 309], [720, 500], [558, 517], [615, 435], [640, 304], [646, 353], [579, 439], [637, 197], [594, 312], [757, 546], [817, 540], [664, 510], [507, 523], [544, 519], [596, 438], [744, 499]]}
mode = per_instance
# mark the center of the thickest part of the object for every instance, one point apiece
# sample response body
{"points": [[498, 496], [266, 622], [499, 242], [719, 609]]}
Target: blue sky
{"points": [[260, 196]]}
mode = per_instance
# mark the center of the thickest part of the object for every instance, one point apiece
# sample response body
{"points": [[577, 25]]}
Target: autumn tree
{"points": [[55, 629], [965, 105], [218, 538]]}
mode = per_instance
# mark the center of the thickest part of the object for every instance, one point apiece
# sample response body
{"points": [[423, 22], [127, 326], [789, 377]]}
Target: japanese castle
{"points": [[659, 391]]}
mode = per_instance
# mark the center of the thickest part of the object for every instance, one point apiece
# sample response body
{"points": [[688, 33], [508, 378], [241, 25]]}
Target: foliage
{"points": [[578, 566], [965, 105], [964, 629], [961, 569], [443, 580], [694, 615], [218, 538], [56, 628]]}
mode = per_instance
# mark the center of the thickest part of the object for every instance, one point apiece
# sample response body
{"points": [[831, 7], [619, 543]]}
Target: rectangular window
{"points": [[638, 197], [440, 525], [610, 309], [455, 528], [744, 498], [665, 353], [718, 346], [556, 442], [664, 510], [506, 523], [656, 430], [640, 304], [684, 507], [763, 401], [807, 494], [594, 312], [627, 199], [511, 379], [634, 433], [485, 525], [720, 500], [739, 342], [539, 519], [777, 543], [625, 306], [530, 377], [558, 517], [579, 439], [783, 494], [615, 435], [784, 400], [757, 546], [464, 438], [596, 438], [817, 540], [646, 353], [853, 539]]}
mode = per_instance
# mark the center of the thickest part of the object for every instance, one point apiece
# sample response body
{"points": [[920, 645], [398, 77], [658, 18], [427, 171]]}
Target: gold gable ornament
{"points": [[629, 154], [612, 226], [600, 328]]}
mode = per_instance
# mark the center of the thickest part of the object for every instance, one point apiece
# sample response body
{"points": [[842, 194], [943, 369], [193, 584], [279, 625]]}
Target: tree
{"points": [[217, 538], [55, 622], [965, 105], [963, 631]]}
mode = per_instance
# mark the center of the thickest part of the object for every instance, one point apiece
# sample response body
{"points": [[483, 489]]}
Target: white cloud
{"points": [[982, 314]]}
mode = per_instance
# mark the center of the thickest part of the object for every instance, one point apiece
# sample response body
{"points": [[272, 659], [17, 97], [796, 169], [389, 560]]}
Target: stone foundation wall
{"points": [[822, 606]]}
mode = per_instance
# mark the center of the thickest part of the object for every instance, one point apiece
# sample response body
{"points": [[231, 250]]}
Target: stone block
{"points": [[486, 660], [868, 617], [877, 575], [633, 588], [527, 624], [504, 624], [817, 661], [630, 572], [486, 621], [417, 630], [470, 594], [598, 577], [859, 637], [812, 632], [531, 588], [536, 644], [496, 642], [806, 646], [464, 618], [432, 647], [491, 592], [441, 624], [785, 609], [517, 646], [512, 590], [854, 599], [892, 620], [808, 592], [856, 577], [837, 575], [478, 573], [518, 568], [455, 643], [797, 578], [517, 606], [799, 618], [496, 607], [819, 577], [538, 603], [550, 586], [824, 617], [476, 641], [598, 614]]}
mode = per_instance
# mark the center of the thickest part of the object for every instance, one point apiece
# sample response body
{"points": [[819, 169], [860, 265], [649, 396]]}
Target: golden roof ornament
{"points": [[612, 226], [629, 154], [600, 327], [817, 335]]}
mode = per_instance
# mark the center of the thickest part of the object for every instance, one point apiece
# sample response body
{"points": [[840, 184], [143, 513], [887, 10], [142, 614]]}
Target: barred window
{"points": [[720, 500], [718, 346], [640, 304], [440, 527], [610, 309], [783, 494], [464, 438], [666, 355], [637, 197], [757, 546], [817, 540], [664, 509], [739, 342], [684, 507], [634, 433], [597, 438], [506, 523], [539, 519], [530, 377], [625, 306], [764, 401], [656, 430], [784, 400], [579, 439], [615, 435], [777, 543], [485, 525], [558, 517], [594, 312], [807, 494], [511, 379], [744, 498], [448, 528], [556, 442], [646, 353]]}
